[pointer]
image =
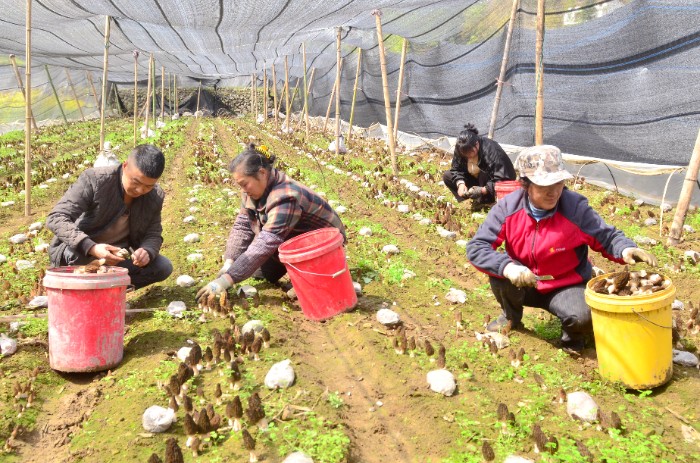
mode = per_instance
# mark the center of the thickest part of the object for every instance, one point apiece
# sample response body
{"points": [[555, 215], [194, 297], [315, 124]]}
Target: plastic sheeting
{"points": [[620, 75]]}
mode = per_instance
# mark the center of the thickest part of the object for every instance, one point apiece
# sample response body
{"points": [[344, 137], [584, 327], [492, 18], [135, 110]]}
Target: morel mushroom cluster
{"points": [[628, 283]]}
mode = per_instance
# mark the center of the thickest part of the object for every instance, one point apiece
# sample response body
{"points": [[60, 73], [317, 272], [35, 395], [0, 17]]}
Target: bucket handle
{"points": [[646, 319], [334, 275]]}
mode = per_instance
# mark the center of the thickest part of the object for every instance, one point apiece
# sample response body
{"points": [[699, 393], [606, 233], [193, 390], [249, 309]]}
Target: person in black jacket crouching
{"points": [[478, 163]]}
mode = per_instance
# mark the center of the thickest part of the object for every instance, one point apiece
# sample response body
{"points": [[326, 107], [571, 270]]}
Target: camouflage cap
{"points": [[542, 164]]}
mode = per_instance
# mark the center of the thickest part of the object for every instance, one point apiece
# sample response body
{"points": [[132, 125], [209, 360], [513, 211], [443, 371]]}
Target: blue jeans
{"points": [[568, 304]]}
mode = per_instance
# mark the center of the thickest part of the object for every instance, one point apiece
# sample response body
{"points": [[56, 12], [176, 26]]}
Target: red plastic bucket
{"points": [[505, 187], [86, 318], [319, 273]]}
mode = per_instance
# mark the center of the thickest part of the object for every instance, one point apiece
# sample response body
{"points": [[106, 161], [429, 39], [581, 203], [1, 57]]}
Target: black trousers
{"points": [[449, 177], [272, 270], [568, 304]]}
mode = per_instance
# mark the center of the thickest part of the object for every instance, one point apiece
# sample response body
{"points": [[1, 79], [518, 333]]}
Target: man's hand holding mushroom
{"points": [[106, 252], [214, 287], [140, 257]]}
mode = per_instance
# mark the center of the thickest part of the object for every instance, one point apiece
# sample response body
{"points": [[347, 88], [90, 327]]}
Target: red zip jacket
{"points": [[557, 245]]}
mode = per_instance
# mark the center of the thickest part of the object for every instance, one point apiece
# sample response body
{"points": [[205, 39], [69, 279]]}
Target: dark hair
{"points": [[467, 138], [251, 160], [525, 182], [149, 160]]}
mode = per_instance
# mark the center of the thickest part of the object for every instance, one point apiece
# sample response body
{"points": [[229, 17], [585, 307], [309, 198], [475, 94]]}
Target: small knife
{"points": [[544, 277]]}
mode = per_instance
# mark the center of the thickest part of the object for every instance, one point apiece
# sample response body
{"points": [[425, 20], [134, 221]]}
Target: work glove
{"points": [[634, 255], [224, 269], [474, 192], [214, 287], [520, 275]]}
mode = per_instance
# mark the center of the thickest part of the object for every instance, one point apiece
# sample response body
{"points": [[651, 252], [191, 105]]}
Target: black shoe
{"points": [[573, 347], [503, 324]]}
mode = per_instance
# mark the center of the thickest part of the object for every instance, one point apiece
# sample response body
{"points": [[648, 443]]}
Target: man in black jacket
{"points": [[478, 163], [110, 208]]}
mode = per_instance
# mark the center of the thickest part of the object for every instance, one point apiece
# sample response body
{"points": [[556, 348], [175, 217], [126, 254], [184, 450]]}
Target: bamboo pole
{"points": [[504, 67], [354, 91], [691, 178], [306, 92], [252, 79], [539, 73], [116, 99], [136, 53], [266, 104], [177, 101], [170, 93], [337, 93], [28, 115], [274, 97], [332, 97], [21, 87], [162, 92], [385, 84], [148, 96], [94, 92], [255, 95], [105, 61], [199, 95], [287, 115], [55, 93], [153, 89], [404, 48]]}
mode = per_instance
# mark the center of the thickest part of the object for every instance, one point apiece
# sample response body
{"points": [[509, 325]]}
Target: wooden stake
{"points": [[162, 92], [404, 48], [539, 75], [691, 178], [148, 95], [153, 88], [94, 92], [135, 53], [199, 94], [332, 97], [337, 92], [252, 95], [28, 115], [286, 93], [177, 101], [504, 67], [21, 87], [265, 98], [385, 84], [274, 97], [116, 99], [354, 91], [55, 93], [255, 96], [306, 92], [75, 95], [105, 61]]}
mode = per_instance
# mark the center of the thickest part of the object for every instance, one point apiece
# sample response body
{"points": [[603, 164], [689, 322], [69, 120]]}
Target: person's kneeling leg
{"points": [[569, 305], [157, 270], [511, 299]]}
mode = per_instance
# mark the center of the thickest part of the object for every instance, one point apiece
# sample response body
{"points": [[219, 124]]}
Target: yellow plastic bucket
{"points": [[633, 336]]}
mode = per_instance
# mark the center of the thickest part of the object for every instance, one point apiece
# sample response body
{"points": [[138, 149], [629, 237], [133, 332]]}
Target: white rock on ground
{"points": [[157, 419], [684, 358], [39, 301], [666, 207], [445, 233], [3, 258], [456, 296], [194, 209], [358, 288], [407, 274], [417, 217], [341, 209], [185, 281], [8, 346], [24, 264], [580, 405], [639, 239], [501, 340], [247, 291], [189, 219], [253, 325], [7, 203], [442, 382], [688, 229], [18, 238], [478, 216], [36, 226], [638, 202], [365, 231], [650, 221], [677, 305], [425, 221], [390, 249], [280, 376], [404, 208], [298, 457], [191, 238], [42, 247], [388, 317], [461, 243], [176, 309], [194, 257]]}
